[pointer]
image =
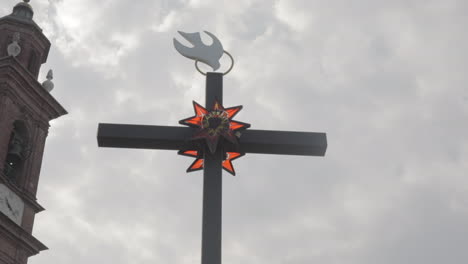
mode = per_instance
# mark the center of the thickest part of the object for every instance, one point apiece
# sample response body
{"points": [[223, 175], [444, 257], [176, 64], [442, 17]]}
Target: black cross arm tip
{"points": [[283, 142], [142, 136]]}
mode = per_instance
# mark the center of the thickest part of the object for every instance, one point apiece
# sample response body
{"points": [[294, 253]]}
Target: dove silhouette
{"points": [[208, 54]]}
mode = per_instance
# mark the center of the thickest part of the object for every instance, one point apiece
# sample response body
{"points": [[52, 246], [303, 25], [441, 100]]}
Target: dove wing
{"points": [[183, 50]]}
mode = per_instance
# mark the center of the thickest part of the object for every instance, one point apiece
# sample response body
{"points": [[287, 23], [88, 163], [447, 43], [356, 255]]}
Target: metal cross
{"points": [[176, 138]]}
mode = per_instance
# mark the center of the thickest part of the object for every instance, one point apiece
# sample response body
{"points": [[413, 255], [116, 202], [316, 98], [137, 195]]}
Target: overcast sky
{"points": [[386, 80]]}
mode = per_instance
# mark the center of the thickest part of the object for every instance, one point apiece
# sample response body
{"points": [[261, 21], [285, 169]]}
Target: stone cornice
{"points": [[17, 82], [9, 229], [26, 196]]}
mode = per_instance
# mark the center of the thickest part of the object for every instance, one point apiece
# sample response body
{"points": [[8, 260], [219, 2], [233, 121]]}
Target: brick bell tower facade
{"points": [[26, 107]]}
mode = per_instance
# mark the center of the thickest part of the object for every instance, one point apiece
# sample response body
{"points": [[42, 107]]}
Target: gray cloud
{"points": [[385, 80]]}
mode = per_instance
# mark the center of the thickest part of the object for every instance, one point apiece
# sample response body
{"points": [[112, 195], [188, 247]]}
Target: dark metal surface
{"points": [[142, 136], [283, 142], [212, 183], [212, 208], [175, 138], [214, 89]]}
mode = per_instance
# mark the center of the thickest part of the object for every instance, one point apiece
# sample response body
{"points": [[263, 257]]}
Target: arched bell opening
{"points": [[18, 151]]}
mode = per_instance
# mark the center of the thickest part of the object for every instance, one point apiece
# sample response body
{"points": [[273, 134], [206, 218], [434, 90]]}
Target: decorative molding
{"points": [[5, 259], [3, 88], [33, 34], [40, 123], [28, 198], [26, 241], [34, 95]]}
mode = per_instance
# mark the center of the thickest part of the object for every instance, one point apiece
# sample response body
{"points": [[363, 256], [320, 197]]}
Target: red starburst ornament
{"points": [[198, 163], [211, 125]]}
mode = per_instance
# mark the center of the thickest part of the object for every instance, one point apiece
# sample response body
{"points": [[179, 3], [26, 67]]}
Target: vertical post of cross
{"points": [[212, 182]]}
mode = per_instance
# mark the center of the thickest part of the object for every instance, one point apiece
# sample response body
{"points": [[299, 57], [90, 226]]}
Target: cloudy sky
{"points": [[386, 80]]}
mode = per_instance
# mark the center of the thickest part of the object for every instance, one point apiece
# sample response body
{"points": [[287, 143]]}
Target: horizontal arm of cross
{"points": [[176, 138]]}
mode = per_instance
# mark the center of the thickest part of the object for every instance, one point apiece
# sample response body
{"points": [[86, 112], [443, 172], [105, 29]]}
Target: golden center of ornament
{"points": [[215, 122]]}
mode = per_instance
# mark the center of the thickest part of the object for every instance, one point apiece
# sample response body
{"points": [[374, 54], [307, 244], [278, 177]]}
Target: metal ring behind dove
{"points": [[226, 72]]}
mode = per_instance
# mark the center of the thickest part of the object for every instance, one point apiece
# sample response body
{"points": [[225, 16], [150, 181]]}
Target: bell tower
{"points": [[26, 107]]}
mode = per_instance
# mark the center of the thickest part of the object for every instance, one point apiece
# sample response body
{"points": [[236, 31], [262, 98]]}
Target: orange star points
{"points": [[211, 126]]}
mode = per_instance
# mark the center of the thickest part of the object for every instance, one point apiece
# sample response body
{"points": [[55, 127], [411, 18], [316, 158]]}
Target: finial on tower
{"points": [[48, 84], [14, 48], [23, 10]]}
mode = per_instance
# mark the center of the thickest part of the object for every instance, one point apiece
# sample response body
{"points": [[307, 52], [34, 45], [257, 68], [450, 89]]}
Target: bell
{"points": [[13, 159], [15, 152], [15, 149]]}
